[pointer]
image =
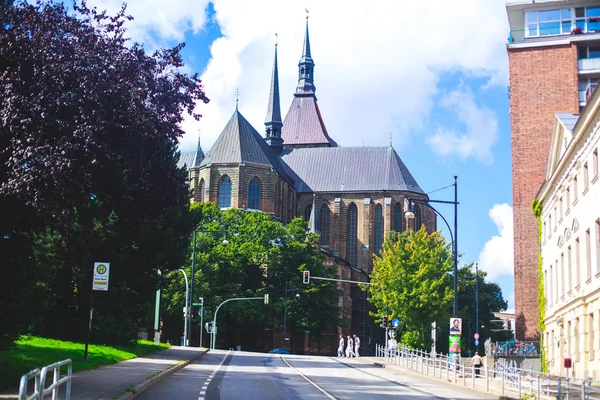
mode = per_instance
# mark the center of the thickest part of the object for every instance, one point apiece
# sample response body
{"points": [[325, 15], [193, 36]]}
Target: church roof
{"points": [[303, 124], [240, 143], [349, 169], [191, 159]]}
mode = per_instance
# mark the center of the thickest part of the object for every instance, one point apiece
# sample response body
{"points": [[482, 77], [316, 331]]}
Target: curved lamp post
{"points": [[186, 313], [410, 214]]}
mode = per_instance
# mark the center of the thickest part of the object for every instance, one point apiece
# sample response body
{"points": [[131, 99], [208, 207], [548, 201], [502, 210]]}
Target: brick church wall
{"points": [[543, 81]]}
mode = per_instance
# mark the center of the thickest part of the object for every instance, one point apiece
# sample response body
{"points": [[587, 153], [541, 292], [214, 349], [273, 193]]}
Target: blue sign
{"points": [[476, 342], [395, 322]]}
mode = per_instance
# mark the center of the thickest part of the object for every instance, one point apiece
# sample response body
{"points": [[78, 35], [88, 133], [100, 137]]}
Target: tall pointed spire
{"points": [[306, 67], [199, 153], [273, 122]]}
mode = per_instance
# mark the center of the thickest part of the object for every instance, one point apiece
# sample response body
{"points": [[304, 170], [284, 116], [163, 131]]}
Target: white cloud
{"points": [[497, 255], [377, 64], [481, 129]]}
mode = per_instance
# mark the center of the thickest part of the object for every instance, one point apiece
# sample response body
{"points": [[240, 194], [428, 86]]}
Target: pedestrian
{"points": [[477, 364], [356, 345], [349, 346], [341, 346]]}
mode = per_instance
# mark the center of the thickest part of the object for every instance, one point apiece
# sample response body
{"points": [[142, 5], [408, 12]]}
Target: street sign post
{"points": [[101, 273]]}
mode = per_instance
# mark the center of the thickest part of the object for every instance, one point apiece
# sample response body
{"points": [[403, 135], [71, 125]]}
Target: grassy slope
{"points": [[34, 352]]}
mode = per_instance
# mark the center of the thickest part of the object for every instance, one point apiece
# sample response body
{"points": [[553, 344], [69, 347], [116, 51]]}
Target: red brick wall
{"points": [[543, 81]]}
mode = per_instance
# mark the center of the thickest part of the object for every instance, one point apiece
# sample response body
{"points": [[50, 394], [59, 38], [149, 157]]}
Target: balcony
{"points": [[581, 31], [588, 65]]}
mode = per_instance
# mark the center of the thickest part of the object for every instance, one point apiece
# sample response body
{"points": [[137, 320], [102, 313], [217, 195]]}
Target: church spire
{"points": [[273, 122], [306, 67]]}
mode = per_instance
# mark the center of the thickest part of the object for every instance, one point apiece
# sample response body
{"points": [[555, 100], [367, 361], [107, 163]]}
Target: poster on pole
{"points": [[455, 326], [101, 273]]}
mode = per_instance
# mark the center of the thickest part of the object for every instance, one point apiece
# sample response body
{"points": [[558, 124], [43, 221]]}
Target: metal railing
{"points": [[504, 378], [552, 33], [39, 388], [512, 348]]}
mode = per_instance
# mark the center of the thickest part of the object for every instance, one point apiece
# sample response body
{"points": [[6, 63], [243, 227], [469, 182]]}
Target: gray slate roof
{"points": [[568, 120], [303, 124], [191, 159], [240, 143], [348, 169]]}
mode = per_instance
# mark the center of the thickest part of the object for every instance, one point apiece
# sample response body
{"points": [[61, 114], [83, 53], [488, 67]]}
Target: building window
{"points": [[352, 235], [544, 231], [562, 274], [398, 216], [577, 263], [548, 22], [569, 270], [576, 339], [568, 199], [598, 246], [560, 208], [586, 89], [225, 192], [549, 225], [586, 180], [324, 217], [591, 341], [575, 189], [588, 255], [595, 164], [254, 194], [551, 286], [556, 221], [378, 228], [307, 212], [547, 288], [201, 190]]}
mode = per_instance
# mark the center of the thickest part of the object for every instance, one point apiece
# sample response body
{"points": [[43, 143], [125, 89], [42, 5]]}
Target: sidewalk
{"points": [[126, 379]]}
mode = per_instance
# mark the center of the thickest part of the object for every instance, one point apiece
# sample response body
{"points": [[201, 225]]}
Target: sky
{"points": [[432, 76]]}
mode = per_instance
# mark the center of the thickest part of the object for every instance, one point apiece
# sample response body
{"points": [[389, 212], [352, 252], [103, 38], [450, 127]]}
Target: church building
{"points": [[357, 193]]}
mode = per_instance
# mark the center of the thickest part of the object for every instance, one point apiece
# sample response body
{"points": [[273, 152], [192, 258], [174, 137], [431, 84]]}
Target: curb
{"points": [[140, 387]]}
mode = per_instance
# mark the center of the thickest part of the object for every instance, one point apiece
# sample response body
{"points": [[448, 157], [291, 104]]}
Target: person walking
{"points": [[356, 345], [341, 346], [476, 364], [349, 347]]}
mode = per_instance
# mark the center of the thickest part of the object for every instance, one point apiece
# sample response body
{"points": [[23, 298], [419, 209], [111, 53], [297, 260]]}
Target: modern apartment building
{"points": [[570, 245], [554, 60]]}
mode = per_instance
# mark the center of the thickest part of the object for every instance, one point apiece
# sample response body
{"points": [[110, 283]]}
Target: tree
{"points": [[411, 279], [260, 257], [89, 127]]}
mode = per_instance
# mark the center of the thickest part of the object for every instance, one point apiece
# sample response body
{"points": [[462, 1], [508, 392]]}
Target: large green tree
{"points": [[260, 256], [89, 127], [411, 280]]}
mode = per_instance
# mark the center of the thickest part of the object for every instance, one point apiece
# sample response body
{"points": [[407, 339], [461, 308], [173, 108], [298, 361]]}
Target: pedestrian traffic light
{"points": [[306, 277], [201, 301]]}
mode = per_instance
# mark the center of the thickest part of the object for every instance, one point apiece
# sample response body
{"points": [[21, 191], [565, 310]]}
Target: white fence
{"points": [[504, 378], [39, 386]]}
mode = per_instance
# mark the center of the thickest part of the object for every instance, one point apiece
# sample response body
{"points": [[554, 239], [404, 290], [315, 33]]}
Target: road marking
{"points": [[207, 382], [320, 389], [202, 392]]}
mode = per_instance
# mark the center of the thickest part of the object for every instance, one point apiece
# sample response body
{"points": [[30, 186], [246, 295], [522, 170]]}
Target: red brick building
{"points": [[554, 60], [357, 192]]}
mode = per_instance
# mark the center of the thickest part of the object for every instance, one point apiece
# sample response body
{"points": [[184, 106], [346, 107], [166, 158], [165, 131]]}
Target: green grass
{"points": [[35, 352]]}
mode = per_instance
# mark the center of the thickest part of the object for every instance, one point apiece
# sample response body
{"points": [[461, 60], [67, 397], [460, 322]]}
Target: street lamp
{"points": [[297, 290], [225, 242], [409, 214], [186, 312]]}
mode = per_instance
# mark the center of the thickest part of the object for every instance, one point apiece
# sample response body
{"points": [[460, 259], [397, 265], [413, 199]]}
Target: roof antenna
{"points": [[390, 139], [237, 98], [275, 39], [306, 9]]}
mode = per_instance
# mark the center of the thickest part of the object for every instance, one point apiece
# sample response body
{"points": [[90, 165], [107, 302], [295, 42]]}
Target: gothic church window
{"points": [[307, 212], [324, 225], [254, 194], [201, 191], [352, 234], [398, 217], [225, 192], [378, 228]]}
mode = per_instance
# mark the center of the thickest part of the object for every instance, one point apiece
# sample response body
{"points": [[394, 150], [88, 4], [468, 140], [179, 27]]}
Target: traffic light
{"points": [[201, 301], [384, 321], [208, 327], [306, 277], [389, 322]]}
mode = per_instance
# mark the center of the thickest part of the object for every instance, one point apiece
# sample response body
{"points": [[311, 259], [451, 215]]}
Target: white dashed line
{"points": [[211, 376]]}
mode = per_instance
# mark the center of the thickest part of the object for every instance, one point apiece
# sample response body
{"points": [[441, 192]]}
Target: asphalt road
{"points": [[222, 375]]}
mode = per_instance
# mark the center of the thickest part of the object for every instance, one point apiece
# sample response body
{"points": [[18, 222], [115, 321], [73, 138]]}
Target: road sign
{"points": [[196, 304], [101, 273], [476, 336], [395, 322], [202, 312], [476, 342]]}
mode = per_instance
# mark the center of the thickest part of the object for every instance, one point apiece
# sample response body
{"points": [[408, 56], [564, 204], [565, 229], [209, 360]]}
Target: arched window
{"points": [[352, 234], [324, 225], [254, 194], [378, 228], [307, 212], [201, 191], [418, 219], [398, 217], [225, 192]]}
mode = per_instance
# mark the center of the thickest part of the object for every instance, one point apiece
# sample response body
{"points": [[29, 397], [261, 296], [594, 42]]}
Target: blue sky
{"points": [[432, 74]]}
